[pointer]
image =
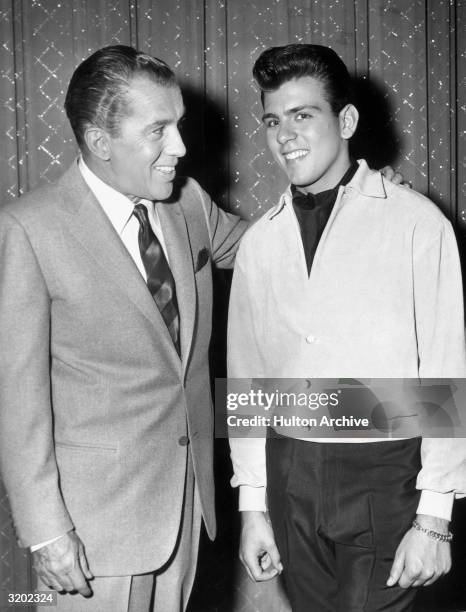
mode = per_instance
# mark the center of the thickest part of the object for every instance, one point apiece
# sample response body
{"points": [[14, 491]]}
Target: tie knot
{"points": [[141, 214], [304, 200]]}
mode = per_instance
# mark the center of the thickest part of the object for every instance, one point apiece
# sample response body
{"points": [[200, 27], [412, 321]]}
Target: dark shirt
{"points": [[313, 212]]}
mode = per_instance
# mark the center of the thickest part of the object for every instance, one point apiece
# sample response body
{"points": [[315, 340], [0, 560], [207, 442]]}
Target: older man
{"points": [[105, 319]]}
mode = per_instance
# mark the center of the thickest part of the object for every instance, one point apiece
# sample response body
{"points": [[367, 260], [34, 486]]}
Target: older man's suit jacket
{"points": [[97, 410]]}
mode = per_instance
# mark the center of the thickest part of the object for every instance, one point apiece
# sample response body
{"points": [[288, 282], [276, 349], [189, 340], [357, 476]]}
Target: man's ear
{"points": [[348, 118], [96, 140]]}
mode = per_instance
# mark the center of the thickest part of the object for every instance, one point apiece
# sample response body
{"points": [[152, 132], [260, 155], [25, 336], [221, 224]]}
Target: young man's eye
{"points": [[271, 123], [302, 116]]}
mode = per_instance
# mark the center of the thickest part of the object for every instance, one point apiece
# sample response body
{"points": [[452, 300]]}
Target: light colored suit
{"points": [[97, 410]]}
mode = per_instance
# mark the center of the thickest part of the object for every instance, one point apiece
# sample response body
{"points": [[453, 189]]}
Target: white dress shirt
{"points": [[119, 209], [383, 300]]}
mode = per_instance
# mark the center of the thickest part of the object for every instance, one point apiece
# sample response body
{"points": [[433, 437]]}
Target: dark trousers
{"points": [[338, 513]]}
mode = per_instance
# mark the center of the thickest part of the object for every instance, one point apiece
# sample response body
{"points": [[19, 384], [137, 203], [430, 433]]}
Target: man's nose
{"points": [[285, 132], [175, 146]]}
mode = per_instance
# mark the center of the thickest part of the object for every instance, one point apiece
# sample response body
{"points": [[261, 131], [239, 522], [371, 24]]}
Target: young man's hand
{"points": [[419, 559], [258, 550]]}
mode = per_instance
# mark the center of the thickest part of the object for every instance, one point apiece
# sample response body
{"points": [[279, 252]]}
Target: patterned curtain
{"points": [[409, 60]]}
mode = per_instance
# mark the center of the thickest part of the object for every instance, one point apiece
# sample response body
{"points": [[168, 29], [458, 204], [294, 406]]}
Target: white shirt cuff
{"points": [[42, 544], [436, 504], [252, 498]]}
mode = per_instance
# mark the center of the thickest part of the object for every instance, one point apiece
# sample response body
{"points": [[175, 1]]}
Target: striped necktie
{"points": [[160, 281]]}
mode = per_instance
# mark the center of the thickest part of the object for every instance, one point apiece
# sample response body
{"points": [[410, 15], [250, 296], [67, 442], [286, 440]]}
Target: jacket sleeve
{"points": [[225, 231], [27, 459], [244, 362], [441, 347]]}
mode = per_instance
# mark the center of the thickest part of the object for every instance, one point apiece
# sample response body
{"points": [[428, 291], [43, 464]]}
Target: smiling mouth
{"points": [[165, 169], [297, 154]]}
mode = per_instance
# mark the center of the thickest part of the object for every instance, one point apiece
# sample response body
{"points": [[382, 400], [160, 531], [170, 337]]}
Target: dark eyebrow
{"points": [[164, 122], [292, 111]]}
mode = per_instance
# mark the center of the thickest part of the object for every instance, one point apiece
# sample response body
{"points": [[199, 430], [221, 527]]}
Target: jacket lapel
{"points": [[175, 233], [89, 224]]}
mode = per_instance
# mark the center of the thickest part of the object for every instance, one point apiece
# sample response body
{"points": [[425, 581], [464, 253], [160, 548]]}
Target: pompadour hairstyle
{"points": [[277, 65], [97, 91]]}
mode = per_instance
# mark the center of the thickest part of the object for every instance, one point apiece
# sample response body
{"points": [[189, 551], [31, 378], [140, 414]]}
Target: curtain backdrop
{"points": [[408, 57]]}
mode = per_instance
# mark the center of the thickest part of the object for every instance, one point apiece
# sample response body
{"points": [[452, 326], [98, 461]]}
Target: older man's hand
{"points": [[419, 559], [62, 565], [394, 177]]}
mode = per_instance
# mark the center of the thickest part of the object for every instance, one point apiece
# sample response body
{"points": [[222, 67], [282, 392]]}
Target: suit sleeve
{"points": [[441, 347], [27, 459], [225, 231]]}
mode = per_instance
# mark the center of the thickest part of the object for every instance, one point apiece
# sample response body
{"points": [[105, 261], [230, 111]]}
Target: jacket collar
{"points": [[91, 227], [366, 182]]}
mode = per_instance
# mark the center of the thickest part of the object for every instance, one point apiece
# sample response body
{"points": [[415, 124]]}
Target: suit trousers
{"points": [[338, 512], [165, 590]]}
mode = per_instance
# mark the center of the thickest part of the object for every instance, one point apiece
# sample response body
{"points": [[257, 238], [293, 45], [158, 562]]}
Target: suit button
{"points": [[183, 441]]}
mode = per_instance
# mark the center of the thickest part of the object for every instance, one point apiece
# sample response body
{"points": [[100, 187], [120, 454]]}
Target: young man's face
{"points": [[143, 157], [304, 135]]}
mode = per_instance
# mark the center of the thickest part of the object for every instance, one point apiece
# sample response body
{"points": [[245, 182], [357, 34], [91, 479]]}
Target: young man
{"points": [[348, 276]]}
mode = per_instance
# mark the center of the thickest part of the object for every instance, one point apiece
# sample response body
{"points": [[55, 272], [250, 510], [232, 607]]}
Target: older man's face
{"points": [[144, 155]]}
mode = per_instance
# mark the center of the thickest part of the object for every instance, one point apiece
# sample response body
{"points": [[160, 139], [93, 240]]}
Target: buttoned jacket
{"points": [[98, 412], [383, 300]]}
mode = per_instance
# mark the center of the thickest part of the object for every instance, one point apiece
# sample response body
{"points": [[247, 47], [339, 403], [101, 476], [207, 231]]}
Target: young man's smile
{"points": [[305, 136]]}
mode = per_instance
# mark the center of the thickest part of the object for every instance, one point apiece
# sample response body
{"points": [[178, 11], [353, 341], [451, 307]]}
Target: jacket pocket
{"points": [[106, 448]]}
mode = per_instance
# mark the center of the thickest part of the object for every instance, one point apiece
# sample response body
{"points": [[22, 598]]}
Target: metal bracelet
{"points": [[441, 537]]}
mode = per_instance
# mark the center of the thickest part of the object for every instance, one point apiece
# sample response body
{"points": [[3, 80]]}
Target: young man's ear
{"points": [[348, 118], [96, 140]]}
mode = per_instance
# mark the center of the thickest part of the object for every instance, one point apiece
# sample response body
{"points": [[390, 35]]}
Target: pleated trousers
{"points": [[338, 513]]}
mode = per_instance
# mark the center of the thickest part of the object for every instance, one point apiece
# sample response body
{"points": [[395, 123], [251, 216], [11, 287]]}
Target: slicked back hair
{"points": [[277, 65], [97, 93]]}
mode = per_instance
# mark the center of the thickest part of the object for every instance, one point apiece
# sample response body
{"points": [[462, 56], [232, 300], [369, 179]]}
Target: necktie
{"points": [[160, 281]]}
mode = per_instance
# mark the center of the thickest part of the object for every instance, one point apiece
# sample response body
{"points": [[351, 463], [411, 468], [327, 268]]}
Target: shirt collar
{"points": [[117, 206], [367, 182], [323, 198]]}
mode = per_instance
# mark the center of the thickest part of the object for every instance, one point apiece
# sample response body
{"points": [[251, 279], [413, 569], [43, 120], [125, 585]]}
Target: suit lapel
{"points": [[89, 224], [178, 246]]}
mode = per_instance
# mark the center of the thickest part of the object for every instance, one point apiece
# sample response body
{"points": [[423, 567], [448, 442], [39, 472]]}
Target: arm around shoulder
{"points": [[225, 230]]}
